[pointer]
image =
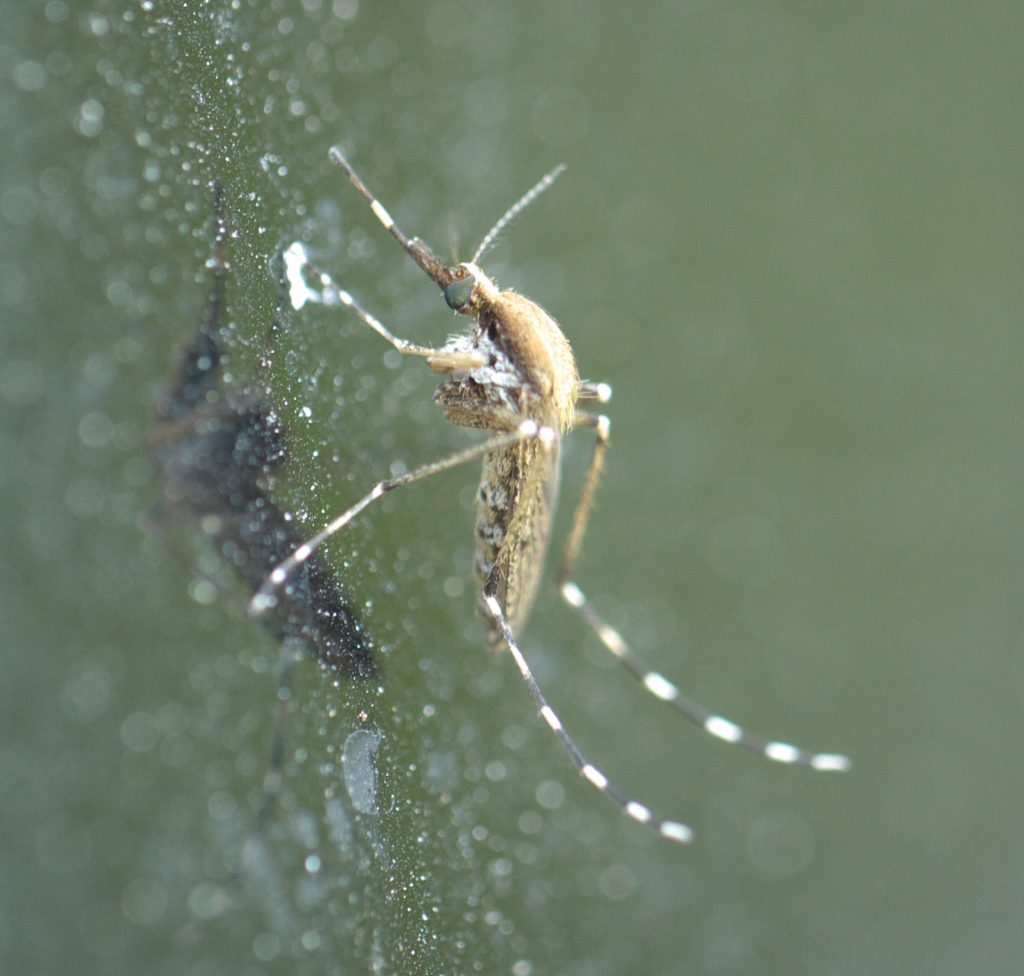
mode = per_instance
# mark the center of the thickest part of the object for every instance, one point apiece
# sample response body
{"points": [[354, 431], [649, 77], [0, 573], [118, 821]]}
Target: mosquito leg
{"points": [[420, 252], [274, 775], [656, 683], [669, 829], [252, 848], [264, 598], [601, 392], [217, 263], [330, 293], [601, 425]]}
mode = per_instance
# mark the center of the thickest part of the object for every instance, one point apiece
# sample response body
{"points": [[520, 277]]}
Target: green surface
{"points": [[789, 237]]}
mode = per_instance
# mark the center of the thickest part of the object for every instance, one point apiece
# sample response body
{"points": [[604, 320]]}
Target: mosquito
{"points": [[513, 375]]}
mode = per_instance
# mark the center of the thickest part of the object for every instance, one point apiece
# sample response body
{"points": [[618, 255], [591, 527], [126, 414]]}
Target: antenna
{"points": [[521, 204]]}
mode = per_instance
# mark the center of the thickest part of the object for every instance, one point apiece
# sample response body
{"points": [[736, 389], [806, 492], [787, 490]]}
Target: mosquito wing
{"points": [[516, 504]]}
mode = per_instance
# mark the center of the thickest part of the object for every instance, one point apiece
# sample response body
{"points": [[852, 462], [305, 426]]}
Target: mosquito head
{"points": [[470, 290]]}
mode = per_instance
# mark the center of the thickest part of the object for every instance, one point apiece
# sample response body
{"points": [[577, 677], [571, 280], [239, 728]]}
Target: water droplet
{"points": [[360, 773]]}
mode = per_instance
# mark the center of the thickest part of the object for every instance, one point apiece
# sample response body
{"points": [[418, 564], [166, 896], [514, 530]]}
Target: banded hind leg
{"points": [[656, 683]]}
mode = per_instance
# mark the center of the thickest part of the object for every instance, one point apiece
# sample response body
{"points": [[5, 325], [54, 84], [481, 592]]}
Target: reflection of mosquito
{"points": [[514, 375], [214, 451]]}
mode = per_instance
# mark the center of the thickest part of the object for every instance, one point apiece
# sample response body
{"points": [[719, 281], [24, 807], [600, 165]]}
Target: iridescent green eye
{"points": [[457, 293]]}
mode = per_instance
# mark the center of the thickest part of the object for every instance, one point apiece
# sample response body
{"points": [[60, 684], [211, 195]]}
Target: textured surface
{"points": [[788, 236]]}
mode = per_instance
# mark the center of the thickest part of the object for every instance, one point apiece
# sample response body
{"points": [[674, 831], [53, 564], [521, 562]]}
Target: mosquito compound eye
{"points": [[457, 293]]}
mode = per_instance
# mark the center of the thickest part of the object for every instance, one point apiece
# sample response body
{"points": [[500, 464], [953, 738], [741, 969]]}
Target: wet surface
{"points": [[789, 239]]}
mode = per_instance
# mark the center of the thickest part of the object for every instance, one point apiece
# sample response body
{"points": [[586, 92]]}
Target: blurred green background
{"points": [[789, 237]]}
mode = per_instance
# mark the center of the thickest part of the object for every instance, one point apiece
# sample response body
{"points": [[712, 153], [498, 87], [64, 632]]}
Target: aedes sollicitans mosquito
{"points": [[513, 374]]}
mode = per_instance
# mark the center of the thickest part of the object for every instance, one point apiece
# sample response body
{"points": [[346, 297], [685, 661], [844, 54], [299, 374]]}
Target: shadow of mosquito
{"points": [[215, 450]]}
